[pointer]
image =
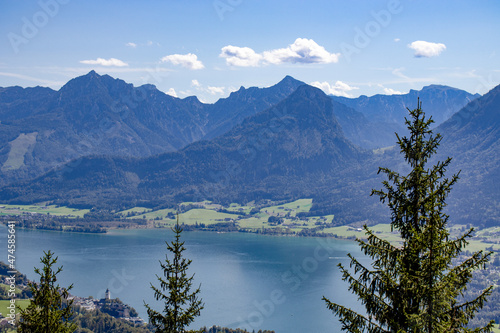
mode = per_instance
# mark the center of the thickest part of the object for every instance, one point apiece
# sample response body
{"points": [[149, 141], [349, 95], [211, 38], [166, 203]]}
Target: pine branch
{"points": [[352, 321]]}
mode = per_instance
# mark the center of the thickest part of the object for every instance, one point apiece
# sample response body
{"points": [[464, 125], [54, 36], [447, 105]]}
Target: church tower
{"points": [[107, 295]]}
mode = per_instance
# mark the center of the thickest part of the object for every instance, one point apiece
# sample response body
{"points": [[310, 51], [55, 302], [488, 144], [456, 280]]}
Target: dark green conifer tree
{"points": [[181, 305], [415, 286], [49, 310]]}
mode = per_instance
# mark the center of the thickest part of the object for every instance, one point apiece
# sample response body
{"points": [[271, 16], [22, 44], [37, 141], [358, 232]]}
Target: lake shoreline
{"points": [[188, 229]]}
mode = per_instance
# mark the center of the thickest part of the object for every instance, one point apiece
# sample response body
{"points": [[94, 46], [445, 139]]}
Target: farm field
{"points": [[282, 218], [41, 209], [22, 303]]}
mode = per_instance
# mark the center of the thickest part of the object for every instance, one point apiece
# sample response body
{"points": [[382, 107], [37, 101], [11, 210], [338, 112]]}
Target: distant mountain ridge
{"points": [[298, 147], [230, 111], [17, 102], [472, 138], [385, 113], [100, 115], [294, 149], [441, 103], [287, 151]]}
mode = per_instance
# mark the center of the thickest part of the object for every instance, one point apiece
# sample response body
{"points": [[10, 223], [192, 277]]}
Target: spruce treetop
{"points": [[181, 305], [414, 287], [49, 310]]}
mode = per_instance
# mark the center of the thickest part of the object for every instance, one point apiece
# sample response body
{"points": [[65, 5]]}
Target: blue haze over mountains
{"points": [[380, 116], [136, 145], [100, 115]]}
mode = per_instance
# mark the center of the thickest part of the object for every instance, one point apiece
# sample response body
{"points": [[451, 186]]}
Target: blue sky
{"points": [[212, 47]]}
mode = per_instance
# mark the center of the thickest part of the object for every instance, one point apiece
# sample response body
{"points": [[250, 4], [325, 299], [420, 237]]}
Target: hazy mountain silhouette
{"points": [[98, 115], [296, 148], [287, 151], [472, 138], [385, 113]]}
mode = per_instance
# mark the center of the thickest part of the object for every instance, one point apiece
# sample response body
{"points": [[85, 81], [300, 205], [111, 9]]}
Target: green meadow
{"points": [[4, 304], [208, 213], [42, 209]]}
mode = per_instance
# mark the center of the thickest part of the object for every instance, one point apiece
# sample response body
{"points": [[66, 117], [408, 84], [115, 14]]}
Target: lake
{"points": [[247, 281]]}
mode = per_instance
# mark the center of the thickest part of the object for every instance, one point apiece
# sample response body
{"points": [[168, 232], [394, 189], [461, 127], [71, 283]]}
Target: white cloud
{"points": [[426, 49], [105, 62], [172, 92], [390, 91], [215, 90], [338, 89], [240, 56], [148, 43], [189, 60], [207, 89], [397, 40], [303, 50]]}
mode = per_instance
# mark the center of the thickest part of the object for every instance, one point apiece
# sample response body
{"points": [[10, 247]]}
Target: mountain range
{"points": [[98, 115], [471, 137], [380, 116], [284, 142]]}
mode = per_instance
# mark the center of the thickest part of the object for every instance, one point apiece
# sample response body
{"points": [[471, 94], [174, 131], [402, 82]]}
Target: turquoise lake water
{"points": [[247, 281]]}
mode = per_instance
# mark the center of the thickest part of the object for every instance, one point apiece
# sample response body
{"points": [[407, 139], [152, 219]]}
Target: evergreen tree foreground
{"points": [[181, 305], [414, 287], [49, 310]]}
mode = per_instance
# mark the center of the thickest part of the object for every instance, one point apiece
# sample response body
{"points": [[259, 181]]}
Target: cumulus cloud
{"points": [[172, 92], [105, 62], [133, 45], [240, 56], [338, 89], [303, 50], [189, 60], [390, 91], [212, 90], [426, 49], [215, 90]]}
